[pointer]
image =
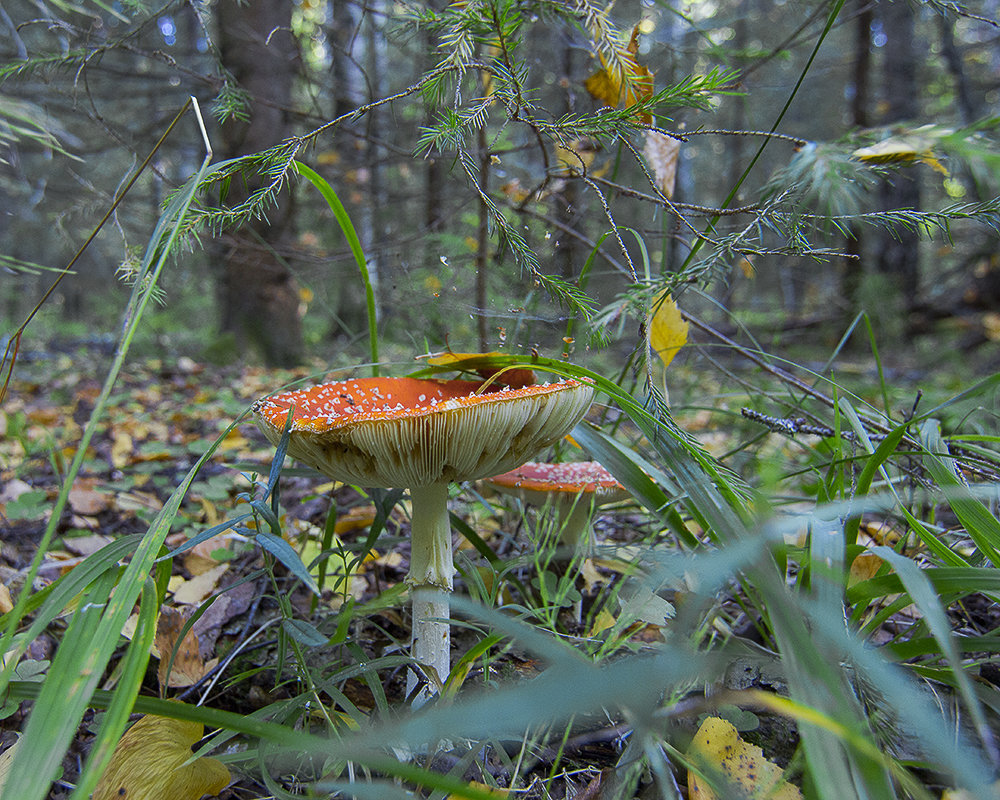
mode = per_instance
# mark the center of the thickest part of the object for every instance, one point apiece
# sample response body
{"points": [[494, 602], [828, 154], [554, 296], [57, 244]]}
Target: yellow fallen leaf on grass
{"points": [[668, 331], [718, 750], [149, 764]]}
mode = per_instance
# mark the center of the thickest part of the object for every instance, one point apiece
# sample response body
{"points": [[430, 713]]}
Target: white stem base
{"points": [[431, 642], [431, 573]]}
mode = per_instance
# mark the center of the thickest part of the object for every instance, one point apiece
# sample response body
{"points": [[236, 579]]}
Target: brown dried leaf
{"points": [[661, 153], [85, 499], [188, 666], [199, 559]]}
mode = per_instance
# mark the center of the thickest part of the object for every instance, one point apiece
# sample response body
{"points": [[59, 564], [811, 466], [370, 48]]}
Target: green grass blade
{"points": [[73, 675], [133, 671], [925, 597], [59, 712], [980, 524], [344, 220]]}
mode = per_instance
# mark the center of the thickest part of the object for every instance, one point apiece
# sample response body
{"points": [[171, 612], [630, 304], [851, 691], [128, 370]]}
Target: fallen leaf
{"points": [[192, 592], [355, 519], [188, 666], [137, 501], [201, 558], [85, 545], [122, 448], [719, 751], [602, 622], [14, 489], [6, 602], [85, 499], [149, 764], [6, 759]]}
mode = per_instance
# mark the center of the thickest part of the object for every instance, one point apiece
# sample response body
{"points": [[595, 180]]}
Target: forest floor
{"points": [[161, 418]]}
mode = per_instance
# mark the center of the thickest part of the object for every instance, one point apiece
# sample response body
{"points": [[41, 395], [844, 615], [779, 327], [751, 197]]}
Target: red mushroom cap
{"points": [[407, 432], [536, 480]]}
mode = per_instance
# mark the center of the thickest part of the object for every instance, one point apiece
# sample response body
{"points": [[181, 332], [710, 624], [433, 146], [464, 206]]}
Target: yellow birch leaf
{"points": [[623, 86], [719, 751], [514, 378], [668, 332], [602, 622], [863, 567], [901, 150], [149, 764]]}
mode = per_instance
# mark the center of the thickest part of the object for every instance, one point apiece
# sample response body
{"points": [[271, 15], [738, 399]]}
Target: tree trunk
{"points": [[898, 251], [356, 81], [853, 270], [258, 295]]}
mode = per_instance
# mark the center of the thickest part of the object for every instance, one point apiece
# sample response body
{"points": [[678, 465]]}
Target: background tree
{"points": [[258, 295], [326, 80]]}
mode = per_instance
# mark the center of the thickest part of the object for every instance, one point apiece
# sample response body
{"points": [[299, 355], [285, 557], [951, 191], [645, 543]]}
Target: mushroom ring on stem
{"points": [[420, 435]]}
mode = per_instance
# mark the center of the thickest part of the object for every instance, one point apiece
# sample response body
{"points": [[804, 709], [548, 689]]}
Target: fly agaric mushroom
{"points": [[573, 488], [421, 435]]}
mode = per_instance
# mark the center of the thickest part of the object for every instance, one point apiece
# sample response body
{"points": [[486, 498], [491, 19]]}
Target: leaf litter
{"points": [[161, 419]]}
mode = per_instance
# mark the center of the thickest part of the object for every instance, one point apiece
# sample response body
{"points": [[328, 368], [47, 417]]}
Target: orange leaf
{"points": [[149, 764]]}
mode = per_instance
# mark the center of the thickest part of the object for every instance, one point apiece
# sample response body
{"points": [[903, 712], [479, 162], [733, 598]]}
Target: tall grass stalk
{"points": [[77, 669], [354, 242]]}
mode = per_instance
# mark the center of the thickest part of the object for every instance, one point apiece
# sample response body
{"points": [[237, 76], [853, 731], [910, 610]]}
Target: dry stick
{"points": [[14, 345], [793, 426], [780, 373]]}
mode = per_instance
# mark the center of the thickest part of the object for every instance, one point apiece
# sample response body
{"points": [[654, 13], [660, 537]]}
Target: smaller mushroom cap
{"points": [[536, 482]]}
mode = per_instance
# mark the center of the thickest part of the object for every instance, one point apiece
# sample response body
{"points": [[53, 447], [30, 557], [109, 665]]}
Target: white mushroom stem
{"points": [[431, 578], [575, 531]]}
